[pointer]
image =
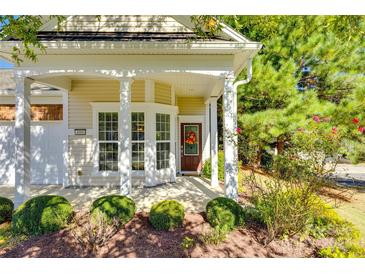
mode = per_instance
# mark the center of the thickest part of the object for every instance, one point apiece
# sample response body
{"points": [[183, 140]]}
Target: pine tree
{"points": [[310, 67]]}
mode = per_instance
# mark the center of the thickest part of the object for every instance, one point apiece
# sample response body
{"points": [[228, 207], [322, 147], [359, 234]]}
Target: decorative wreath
{"points": [[191, 139]]}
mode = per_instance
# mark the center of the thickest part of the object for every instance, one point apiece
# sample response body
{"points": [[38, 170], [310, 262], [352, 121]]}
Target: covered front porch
{"points": [[148, 117], [192, 192]]}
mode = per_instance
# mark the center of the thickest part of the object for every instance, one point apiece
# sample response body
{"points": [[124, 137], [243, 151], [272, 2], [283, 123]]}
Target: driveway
{"points": [[350, 175], [192, 192]]}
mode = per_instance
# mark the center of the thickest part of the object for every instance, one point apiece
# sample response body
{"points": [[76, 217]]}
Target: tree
{"points": [[310, 66], [25, 28]]}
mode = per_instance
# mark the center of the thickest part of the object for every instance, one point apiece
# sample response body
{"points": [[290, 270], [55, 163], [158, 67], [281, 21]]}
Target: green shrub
{"points": [[167, 215], [207, 167], [350, 250], [6, 209], [187, 243], [225, 214], [284, 211], [41, 215], [252, 214], [214, 237], [113, 207]]}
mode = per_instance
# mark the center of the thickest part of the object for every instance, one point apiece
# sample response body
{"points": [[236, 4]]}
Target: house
{"points": [[118, 100]]}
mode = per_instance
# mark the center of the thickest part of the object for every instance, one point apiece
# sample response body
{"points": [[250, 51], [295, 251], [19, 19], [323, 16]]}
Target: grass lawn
{"points": [[354, 211]]}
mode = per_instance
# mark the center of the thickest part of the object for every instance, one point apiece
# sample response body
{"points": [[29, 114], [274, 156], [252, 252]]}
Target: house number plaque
{"points": [[80, 131]]}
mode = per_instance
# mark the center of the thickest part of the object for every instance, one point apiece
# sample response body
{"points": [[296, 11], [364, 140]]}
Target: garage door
{"points": [[46, 150]]}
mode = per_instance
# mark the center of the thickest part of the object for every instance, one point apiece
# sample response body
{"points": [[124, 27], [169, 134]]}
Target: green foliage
{"points": [[41, 215], [207, 170], [187, 243], [347, 251], [225, 214], [207, 167], [25, 28], [320, 54], [5, 234], [167, 215], [214, 237], [6, 209], [113, 207], [325, 222], [285, 212]]}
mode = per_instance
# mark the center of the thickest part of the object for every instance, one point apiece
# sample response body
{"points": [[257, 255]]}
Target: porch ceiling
{"points": [[185, 84], [190, 84]]}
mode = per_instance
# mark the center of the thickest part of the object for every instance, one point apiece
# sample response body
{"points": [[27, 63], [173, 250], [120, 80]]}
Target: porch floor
{"points": [[192, 192]]}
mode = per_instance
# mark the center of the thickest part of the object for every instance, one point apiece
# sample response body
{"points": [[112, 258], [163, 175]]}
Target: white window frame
{"points": [[102, 107], [138, 141], [165, 141]]}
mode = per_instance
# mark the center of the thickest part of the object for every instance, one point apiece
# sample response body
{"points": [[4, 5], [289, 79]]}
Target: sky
{"points": [[3, 63]]}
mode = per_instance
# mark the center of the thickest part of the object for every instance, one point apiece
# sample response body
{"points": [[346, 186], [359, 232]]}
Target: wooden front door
{"points": [[191, 147]]}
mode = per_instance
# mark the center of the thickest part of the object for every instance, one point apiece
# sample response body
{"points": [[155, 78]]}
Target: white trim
{"points": [[34, 100]]}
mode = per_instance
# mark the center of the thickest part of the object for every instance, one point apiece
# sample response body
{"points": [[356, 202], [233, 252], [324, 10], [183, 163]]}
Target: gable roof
{"points": [[127, 27]]}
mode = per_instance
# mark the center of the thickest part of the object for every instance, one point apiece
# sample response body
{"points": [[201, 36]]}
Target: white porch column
{"points": [[230, 140], [22, 140], [150, 138], [66, 173], [214, 141], [125, 155]]}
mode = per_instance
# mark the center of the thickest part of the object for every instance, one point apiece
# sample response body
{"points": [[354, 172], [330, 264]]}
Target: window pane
{"points": [[162, 127], [137, 156], [163, 153], [137, 140]]}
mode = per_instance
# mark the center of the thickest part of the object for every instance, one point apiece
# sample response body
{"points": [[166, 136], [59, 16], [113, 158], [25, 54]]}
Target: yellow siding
{"points": [[138, 88], [162, 93], [85, 91], [191, 105], [81, 152]]}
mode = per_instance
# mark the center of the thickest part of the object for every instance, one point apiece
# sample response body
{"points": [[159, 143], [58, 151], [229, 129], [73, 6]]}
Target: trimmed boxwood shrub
{"points": [[6, 209], [114, 206], [167, 215], [41, 215], [224, 213]]}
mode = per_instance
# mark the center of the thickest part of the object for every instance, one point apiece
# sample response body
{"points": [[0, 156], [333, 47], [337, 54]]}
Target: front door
{"points": [[191, 147]]}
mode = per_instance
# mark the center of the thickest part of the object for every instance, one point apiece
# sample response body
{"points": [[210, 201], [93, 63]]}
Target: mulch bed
{"points": [[139, 239]]}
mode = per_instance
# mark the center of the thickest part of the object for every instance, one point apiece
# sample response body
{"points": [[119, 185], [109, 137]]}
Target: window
{"points": [[46, 112], [137, 141], [162, 140], [108, 141]]}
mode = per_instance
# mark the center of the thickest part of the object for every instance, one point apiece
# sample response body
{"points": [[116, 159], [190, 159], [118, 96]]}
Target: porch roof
{"points": [[7, 85]]}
